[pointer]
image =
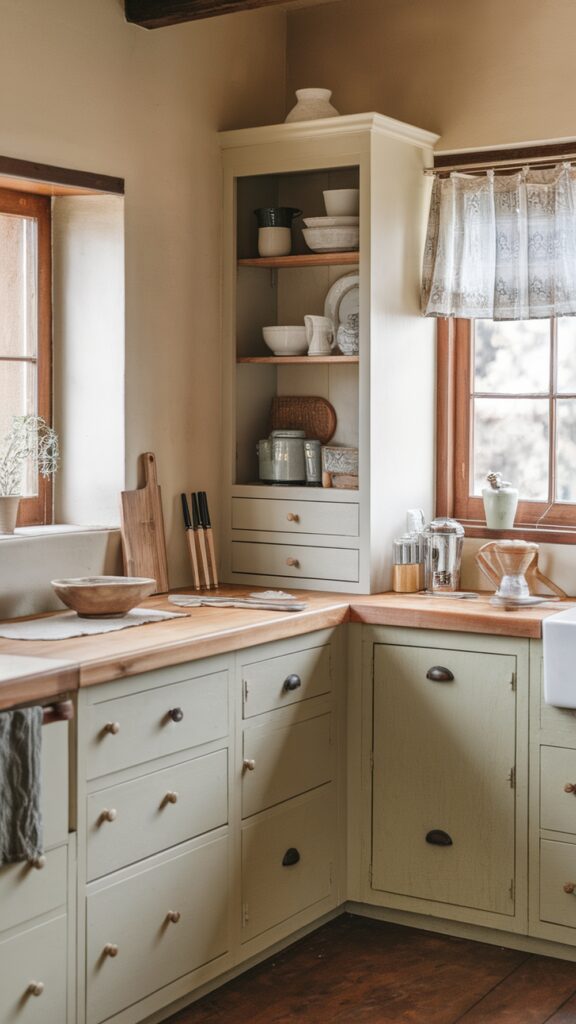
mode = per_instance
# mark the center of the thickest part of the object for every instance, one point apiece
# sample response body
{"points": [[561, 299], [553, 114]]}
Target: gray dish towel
{"points": [[20, 814]]}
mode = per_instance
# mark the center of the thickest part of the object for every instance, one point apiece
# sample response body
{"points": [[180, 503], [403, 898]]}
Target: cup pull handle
{"points": [[292, 682], [291, 857], [437, 837], [439, 674]]}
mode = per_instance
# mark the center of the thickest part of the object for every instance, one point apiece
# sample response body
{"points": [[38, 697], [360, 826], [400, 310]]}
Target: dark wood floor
{"points": [[358, 971]]}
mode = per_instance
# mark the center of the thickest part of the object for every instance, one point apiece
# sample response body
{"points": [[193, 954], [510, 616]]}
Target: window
{"points": [[507, 403], [26, 329]]}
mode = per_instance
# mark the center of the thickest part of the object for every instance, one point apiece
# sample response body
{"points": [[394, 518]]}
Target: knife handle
{"points": [[186, 512]]}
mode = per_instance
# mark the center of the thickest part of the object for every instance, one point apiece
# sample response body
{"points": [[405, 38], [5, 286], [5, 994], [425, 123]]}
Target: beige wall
{"points": [[81, 88], [494, 71]]}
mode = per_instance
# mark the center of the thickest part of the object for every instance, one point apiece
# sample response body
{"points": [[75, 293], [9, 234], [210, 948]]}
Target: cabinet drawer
{"points": [[131, 913], [557, 807], [335, 518], [557, 869], [146, 728], [270, 684], [287, 761], [36, 955], [295, 561], [288, 858], [26, 891], [55, 783], [155, 812]]}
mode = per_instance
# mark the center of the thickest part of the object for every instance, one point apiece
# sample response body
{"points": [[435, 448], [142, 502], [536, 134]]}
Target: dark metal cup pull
{"points": [[176, 714], [292, 682], [290, 857], [437, 837], [439, 674]]}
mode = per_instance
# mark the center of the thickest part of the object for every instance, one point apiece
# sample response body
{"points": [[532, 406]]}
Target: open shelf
{"points": [[313, 259], [288, 360]]}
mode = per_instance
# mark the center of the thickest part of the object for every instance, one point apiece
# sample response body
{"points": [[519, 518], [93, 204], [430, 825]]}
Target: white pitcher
{"points": [[319, 335]]}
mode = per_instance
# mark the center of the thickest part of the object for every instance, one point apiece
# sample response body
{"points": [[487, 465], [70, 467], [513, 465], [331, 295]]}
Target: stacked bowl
{"points": [[339, 231]]}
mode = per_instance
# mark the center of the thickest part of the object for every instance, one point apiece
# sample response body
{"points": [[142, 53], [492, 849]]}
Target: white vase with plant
{"points": [[29, 441], [500, 502]]}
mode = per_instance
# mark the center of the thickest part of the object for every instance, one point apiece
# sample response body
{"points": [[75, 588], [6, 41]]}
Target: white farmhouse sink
{"points": [[559, 634]]}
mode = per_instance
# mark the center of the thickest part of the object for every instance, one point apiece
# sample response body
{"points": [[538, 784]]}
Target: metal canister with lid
{"points": [[443, 541]]}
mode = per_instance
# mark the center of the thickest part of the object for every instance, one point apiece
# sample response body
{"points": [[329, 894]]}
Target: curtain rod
{"points": [[510, 159]]}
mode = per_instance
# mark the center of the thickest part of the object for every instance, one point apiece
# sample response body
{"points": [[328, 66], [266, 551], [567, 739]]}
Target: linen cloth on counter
{"points": [[65, 625], [21, 833]]}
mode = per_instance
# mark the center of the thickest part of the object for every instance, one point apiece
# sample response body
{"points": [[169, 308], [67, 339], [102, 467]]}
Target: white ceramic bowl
{"points": [[342, 202], [286, 341], [103, 597], [331, 239]]}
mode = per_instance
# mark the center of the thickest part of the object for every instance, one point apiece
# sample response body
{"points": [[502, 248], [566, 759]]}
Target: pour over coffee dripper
{"points": [[512, 567]]}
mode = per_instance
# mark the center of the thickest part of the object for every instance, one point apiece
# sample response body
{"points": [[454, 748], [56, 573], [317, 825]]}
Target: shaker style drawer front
{"points": [[558, 789], [33, 975], [558, 883], [287, 861], [330, 518], [281, 763], [278, 682], [128, 822], [28, 890], [142, 726], [154, 926], [55, 783], [296, 561]]}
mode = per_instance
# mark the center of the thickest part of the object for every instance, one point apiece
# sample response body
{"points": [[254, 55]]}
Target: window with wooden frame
{"points": [[507, 403], [26, 329]]}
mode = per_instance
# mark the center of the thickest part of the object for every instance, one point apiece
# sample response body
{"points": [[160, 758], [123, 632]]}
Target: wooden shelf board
{"points": [[287, 360], [313, 259]]}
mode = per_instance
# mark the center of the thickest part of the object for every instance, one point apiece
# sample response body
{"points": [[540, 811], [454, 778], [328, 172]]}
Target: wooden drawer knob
{"points": [[112, 727], [173, 916], [35, 988], [293, 562], [110, 949], [293, 517], [171, 797], [108, 815], [569, 887], [570, 787], [248, 764], [176, 714], [38, 862]]}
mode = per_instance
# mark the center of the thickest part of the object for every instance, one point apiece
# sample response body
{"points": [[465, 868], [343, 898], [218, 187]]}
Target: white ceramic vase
{"points": [[312, 104], [500, 507], [8, 513]]}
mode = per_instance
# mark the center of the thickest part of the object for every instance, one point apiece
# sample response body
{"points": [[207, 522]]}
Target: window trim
{"points": [[37, 510], [537, 521]]}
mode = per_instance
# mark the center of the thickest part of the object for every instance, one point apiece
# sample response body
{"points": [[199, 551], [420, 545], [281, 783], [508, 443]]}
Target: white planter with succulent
{"points": [[29, 441], [500, 502]]}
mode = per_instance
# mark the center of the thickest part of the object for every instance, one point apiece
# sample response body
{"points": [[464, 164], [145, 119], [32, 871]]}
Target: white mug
{"points": [[319, 335]]}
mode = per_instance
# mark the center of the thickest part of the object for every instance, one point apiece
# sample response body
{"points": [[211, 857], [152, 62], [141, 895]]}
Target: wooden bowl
{"points": [[103, 597]]}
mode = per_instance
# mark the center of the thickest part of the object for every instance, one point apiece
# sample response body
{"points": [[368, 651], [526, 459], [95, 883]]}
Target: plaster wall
{"points": [[84, 89]]}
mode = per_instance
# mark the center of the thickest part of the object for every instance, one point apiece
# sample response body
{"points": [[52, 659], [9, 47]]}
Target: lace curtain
{"points": [[502, 246]]}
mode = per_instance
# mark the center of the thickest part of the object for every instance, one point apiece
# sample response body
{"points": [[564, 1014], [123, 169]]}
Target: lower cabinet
{"points": [[33, 974], [446, 820]]}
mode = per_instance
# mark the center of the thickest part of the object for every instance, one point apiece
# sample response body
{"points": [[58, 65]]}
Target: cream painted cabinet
{"points": [[329, 538], [447, 766], [36, 913]]}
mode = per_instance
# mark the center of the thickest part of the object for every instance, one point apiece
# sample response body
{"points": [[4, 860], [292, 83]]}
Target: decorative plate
{"points": [[342, 299]]}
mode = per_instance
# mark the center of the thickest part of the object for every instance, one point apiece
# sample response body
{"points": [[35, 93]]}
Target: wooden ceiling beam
{"points": [[157, 13]]}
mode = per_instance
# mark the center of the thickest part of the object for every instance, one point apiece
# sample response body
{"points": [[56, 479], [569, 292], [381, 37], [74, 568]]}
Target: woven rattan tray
{"points": [[309, 413]]}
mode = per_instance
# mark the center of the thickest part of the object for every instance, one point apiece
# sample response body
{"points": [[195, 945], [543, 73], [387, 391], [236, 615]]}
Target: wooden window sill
{"points": [[546, 534]]}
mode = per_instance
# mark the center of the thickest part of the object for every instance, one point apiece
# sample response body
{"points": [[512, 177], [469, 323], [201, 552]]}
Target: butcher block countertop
{"points": [[33, 671]]}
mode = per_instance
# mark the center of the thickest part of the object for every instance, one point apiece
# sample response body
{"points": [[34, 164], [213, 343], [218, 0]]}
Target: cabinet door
{"points": [[444, 752], [33, 975]]}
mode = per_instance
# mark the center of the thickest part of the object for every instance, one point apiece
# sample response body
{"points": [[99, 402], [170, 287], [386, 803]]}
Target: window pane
{"points": [[566, 450], [566, 355], [18, 286], [511, 438], [512, 356], [17, 398]]}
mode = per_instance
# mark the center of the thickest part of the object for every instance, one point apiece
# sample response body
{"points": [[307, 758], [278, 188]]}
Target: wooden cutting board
{"points": [[143, 540]]}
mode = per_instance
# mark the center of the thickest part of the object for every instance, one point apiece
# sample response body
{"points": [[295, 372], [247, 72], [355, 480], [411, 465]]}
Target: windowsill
{"points": [[541, 534]]}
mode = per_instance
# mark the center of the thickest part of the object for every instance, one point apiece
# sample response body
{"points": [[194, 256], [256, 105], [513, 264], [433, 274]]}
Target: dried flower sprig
{"points": [[29, 439]]}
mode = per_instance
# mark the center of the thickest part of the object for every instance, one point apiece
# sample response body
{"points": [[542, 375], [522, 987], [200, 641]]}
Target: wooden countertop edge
{"points": [[458, 620], [41, 688]]}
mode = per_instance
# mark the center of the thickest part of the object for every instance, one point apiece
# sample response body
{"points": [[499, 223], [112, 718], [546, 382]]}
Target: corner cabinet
{"points": [[327, 538]]}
